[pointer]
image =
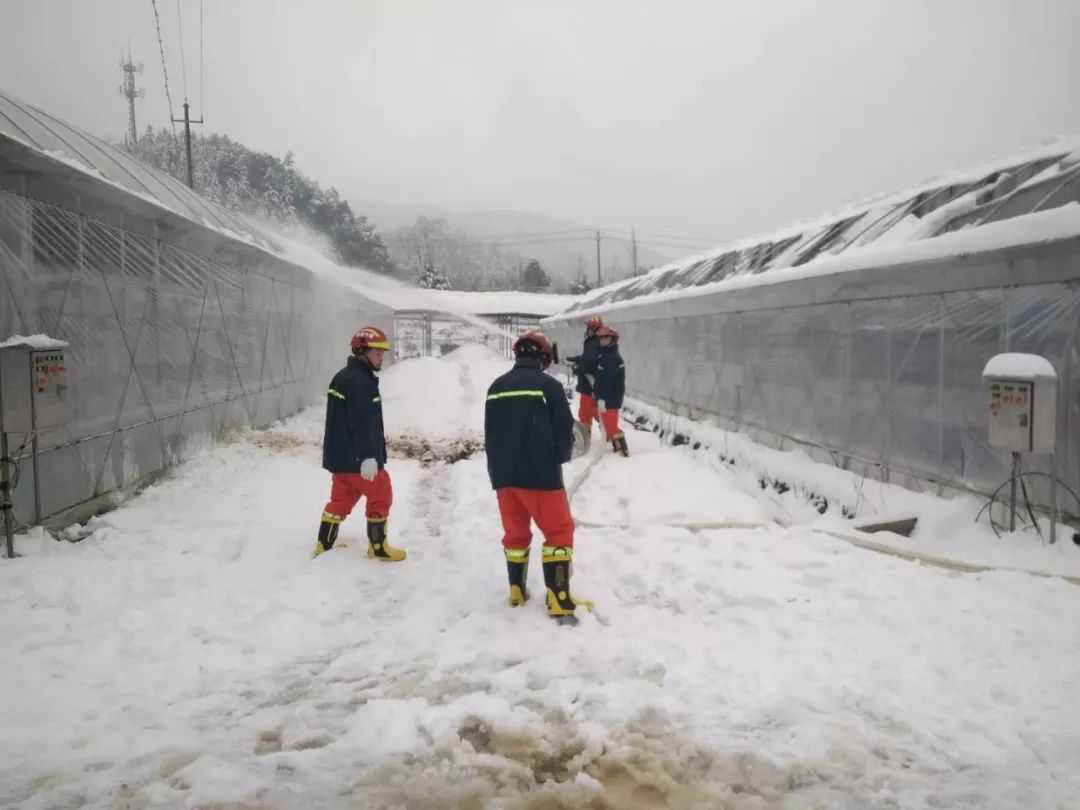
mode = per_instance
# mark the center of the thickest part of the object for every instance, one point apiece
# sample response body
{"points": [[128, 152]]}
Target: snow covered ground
{"points": [[189, 653]]}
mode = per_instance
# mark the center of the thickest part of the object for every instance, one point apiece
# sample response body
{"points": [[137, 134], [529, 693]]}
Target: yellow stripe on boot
{"points": [[328, 532]]}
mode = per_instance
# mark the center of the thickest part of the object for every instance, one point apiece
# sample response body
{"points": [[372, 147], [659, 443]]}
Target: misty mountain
{"points": [[564, 249]]}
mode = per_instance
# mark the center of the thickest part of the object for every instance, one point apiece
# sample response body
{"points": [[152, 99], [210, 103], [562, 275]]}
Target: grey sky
{"points": [[690, 118]]}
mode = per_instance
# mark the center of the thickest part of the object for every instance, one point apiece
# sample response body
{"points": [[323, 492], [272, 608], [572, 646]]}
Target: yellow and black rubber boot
{"points": [[517, 569], [328, 531], [560, 604], [618, 444], [378, 548]]}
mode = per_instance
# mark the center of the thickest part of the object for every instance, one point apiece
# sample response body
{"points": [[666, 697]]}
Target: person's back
{"points": [[610, 377], [584, 365], [611, 387], [528, 428]]}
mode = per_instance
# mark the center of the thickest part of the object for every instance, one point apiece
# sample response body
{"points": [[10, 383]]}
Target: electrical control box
{"points": [[1022, 403], [33, 386]]}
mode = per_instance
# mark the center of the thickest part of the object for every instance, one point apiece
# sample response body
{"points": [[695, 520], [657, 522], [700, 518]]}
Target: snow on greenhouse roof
{"points": [[1040, 179], [1044, 226], [64, 144]]}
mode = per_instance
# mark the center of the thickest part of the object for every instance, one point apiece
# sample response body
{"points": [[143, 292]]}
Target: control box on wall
{"points": [[33, 385], [1022, 403]]}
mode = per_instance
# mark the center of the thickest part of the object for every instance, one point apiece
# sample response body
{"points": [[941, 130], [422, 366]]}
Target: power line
{"points": [[697, 239], [660, 243], [164, 69], [183, 64]]}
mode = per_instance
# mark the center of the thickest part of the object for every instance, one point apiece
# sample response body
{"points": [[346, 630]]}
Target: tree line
{"points": [[262, 185]]}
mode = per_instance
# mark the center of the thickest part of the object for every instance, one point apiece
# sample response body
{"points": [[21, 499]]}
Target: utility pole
{"points": [[129, 91], [599, 282], [187, 121], [633, 242]]}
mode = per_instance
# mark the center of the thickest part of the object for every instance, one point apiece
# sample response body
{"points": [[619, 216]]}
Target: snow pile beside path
{"points": [[440, 398], [656, 486], [946, 526]]}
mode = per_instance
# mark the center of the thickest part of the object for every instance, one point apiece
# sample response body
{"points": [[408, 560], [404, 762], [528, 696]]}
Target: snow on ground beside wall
{"points": [[190, 653], [946, 527]]}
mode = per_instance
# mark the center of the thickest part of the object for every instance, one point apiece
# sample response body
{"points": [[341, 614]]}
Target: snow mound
{"points": [[471, 353], [1019, 366], [37, 342]]}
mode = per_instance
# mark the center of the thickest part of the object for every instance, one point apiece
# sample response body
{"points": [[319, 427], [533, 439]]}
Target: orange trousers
{"points": [[610, 421], [587, 412], [346, 489], [586, 409], [548, 507]]}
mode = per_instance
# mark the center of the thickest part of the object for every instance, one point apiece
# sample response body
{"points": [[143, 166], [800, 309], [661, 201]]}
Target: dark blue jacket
{"points": [[610, 377], [354, 423], [585, 363], [528, 429]]}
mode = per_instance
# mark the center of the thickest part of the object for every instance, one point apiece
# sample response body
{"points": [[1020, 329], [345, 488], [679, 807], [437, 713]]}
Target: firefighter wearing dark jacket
{"points": [[611, 387], [354, 448], [528, 436], [585, 369]]}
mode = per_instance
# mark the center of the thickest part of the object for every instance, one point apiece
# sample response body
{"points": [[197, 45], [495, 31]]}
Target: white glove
{"points": [[369, 468], [601, 406]]}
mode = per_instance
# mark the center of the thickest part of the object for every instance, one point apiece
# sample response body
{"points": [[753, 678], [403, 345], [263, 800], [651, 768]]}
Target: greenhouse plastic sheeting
{"points": [[170, 346], [877, 369]]}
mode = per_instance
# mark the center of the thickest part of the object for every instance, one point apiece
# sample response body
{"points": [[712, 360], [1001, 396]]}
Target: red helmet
{"points": [[608, 331], [533, 342], [594, 322], [370, 337]]}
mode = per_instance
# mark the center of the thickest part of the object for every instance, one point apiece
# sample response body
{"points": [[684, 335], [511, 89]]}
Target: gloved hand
{"points": [[601, 406], [369, 468]]}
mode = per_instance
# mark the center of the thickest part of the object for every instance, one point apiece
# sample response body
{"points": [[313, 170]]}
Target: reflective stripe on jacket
{"points": [[528, 428]]}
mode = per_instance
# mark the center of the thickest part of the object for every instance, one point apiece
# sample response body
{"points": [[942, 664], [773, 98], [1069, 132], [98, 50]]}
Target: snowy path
{"points": [[189, 653]]}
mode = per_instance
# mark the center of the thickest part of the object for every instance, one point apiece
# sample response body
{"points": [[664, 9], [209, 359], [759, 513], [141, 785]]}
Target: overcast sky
{"points": [[717, 118]]}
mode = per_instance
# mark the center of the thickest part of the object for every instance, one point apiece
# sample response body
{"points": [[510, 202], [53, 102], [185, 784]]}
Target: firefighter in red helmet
{"points": [[585, 369], [354, 447], [528, 436], [611, 387]]}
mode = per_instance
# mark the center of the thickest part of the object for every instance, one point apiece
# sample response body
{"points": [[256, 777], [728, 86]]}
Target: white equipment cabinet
{"points": [[1022, 403], [1022, 416], [33, 399]]}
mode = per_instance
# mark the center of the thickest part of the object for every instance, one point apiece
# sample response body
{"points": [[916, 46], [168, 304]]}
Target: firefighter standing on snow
{"points": [[585, 369], [354, 447], [528, 431], [610, 387]]}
